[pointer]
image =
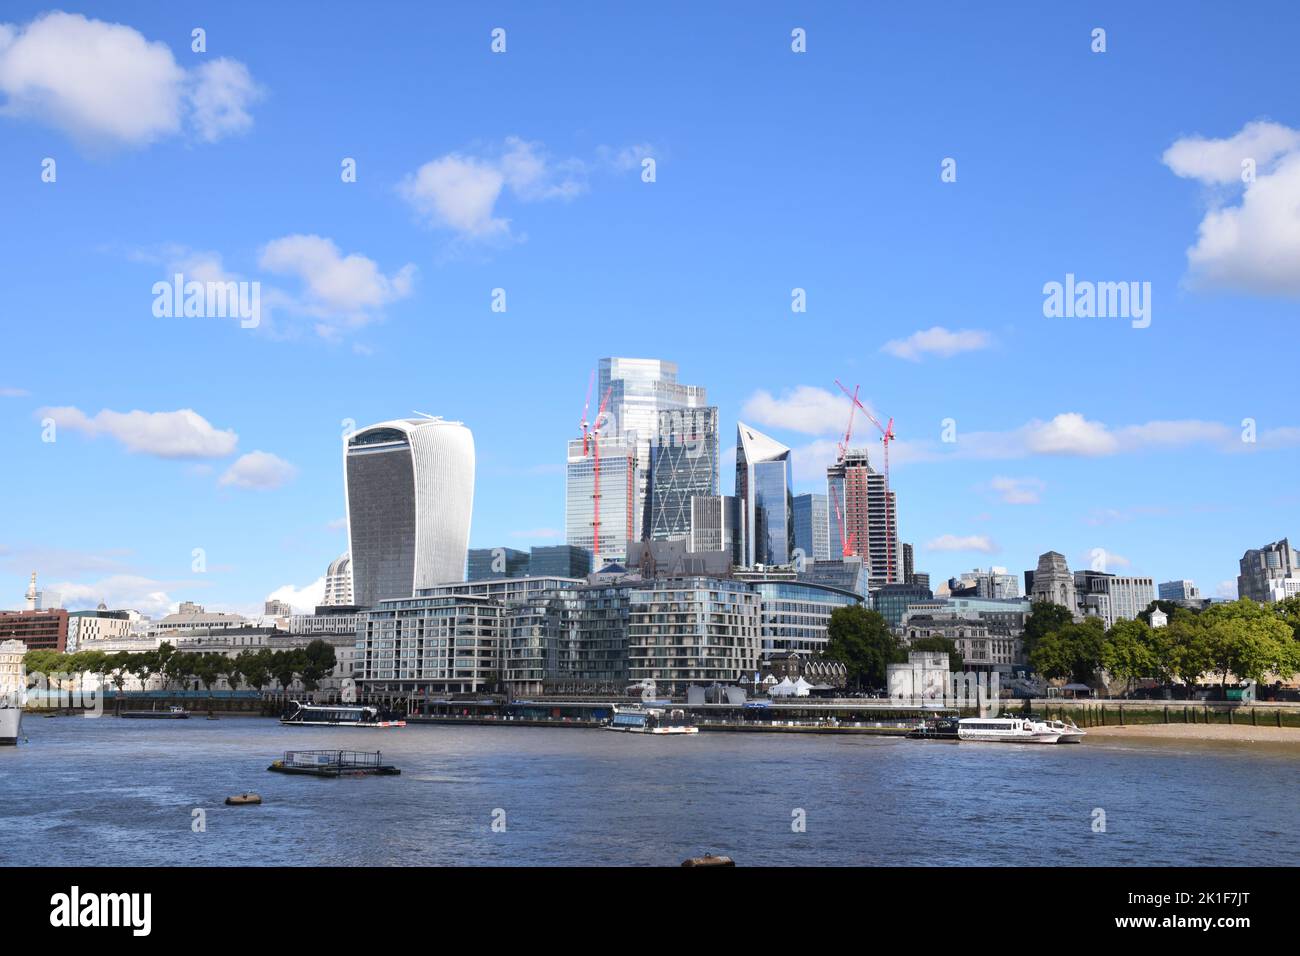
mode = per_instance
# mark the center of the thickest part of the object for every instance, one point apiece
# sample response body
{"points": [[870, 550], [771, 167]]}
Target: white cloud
{"points": [[937, 341], [1220, 160], [1018, 491], [106, 83], [1099, 559], [952, 542], [1069, 434], [122, 591], [350, 287], [9, 392], [259, 470], [805, 408], [303, 600], [1226, 589], [180, 434], [220, 96], [460, 192], [1253, 246]]}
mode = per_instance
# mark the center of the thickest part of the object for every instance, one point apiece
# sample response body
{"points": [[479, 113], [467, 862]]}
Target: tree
{"points": [[937, 642], [208, 668], [253, 665], [144, 665], [1044, 618], [1127, 651], [230, 670], [1072, 651], [1249, 641], [163, 655], [318, 661], [286, 665], [861, 640], [119, 665]]}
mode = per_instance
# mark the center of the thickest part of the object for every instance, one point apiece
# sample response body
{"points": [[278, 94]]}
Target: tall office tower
{"points": [[1269, 574], [410, 490], [864, 517], [1053, 582], [639, 390], [717, 524], [1111, 597], [909, 570], [683, 465], [338, 582], [488, 563], [1179, 591], [812, 530], [618, 484], [763, 481]]}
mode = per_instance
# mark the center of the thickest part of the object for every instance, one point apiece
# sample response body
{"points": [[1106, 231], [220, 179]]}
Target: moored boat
{"points": [[637, 719], [1069, 731], [171, 713], [1006, 730], [336, 715]]}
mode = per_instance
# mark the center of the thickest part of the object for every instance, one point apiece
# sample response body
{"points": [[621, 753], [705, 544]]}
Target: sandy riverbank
{"points": [[1237, 733]]}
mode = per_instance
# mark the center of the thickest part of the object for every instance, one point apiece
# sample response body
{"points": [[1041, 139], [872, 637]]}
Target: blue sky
{"points": [[522, 171]]}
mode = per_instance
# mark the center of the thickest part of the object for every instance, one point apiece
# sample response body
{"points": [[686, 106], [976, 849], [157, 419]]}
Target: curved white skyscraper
{"points": [[409, 485]]}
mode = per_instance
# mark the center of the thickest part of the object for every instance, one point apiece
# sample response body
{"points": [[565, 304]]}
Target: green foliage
{"points": [[862, 641], [1072, 651], [1044, 618], [318, 661]]}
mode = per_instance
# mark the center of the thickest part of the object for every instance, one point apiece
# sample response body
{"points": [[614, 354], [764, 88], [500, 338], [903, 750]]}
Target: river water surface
{"points": [[119, 792]]}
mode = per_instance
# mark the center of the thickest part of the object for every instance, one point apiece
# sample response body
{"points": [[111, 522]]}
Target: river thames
{"points": [[117, 792]]}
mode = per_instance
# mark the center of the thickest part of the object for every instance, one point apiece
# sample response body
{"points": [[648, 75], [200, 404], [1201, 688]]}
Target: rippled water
{"points": [[111, 791]]}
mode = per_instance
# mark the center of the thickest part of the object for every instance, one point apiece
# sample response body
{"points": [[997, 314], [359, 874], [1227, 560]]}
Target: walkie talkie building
{"points": [[410, 491]]}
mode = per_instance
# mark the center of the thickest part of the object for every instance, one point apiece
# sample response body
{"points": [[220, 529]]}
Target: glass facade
{"points": [[488, 563], [639, 390], [763, 481], [811, 526], [559, 561], [381, 516], [618, 484], [683, 465], [795, 615]]}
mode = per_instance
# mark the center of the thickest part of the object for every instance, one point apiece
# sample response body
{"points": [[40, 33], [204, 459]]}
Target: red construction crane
{"points": [[886, 436], [591, 439]]}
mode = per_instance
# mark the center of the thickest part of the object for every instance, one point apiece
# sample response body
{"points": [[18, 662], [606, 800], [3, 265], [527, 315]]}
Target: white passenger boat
{"points": [[336, 715], [11, 723], [651, 720], [1069, 731], [1007, 730]]}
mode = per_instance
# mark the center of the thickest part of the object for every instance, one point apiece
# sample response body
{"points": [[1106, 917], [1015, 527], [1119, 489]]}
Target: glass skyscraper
{"points": [[618, 484], [639, 390], [683, 465], [812, 530], [409, 485], [763, 482]]}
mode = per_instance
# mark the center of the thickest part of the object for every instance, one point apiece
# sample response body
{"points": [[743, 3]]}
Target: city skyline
{"points": [[177, 436]]}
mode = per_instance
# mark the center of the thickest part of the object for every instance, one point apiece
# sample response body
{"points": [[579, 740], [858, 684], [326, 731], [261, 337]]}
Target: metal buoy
{"points": [[243, 799], [709, 860]]}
